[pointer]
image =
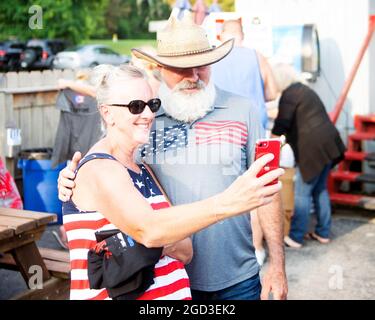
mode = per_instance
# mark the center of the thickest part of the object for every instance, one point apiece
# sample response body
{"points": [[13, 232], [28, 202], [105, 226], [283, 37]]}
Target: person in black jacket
{"points": [[317, 147]]}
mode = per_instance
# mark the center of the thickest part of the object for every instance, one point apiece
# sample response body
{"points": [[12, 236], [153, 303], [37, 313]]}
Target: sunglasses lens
{"points": [[154, 104], [136, 106]]}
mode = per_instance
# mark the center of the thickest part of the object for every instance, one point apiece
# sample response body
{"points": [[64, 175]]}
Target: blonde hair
{"points": [[104, 76], [285, 75]]}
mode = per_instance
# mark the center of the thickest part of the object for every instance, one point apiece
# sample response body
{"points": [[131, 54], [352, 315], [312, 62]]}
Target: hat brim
{"points": [[189, 60]]}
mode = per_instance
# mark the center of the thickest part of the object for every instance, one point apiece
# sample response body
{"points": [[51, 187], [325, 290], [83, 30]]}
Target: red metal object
{"points": [[334, 115], [355, 155], [362, 136], [355, 140], [365, 123], [345, 198], [345, 175]]}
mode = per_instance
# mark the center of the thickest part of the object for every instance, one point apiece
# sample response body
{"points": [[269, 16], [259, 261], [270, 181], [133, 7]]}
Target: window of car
{"points": [[104, 50], [97, 50], [75, 48], [36, 43], [56, 46], [110, 51], [17, 46]]}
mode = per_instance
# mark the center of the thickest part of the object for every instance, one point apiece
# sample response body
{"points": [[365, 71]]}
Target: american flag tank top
{"points": [[171, 281]]}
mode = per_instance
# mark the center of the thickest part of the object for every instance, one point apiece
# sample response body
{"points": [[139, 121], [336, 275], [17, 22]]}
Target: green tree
{"points": [[74, 20], [130, 18]]}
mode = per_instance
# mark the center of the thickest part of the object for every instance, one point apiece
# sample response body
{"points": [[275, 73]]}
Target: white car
{"points": [[87, 56]]}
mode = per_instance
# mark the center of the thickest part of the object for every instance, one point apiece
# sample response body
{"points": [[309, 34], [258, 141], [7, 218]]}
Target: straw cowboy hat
{"points": [[184, 44]]}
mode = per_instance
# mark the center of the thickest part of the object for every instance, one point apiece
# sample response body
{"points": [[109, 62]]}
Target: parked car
{"points": [[88, 56], [10, 53], [39, 54]]}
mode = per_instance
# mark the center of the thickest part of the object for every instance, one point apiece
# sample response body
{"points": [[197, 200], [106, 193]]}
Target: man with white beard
{"points": [[201, 141]]}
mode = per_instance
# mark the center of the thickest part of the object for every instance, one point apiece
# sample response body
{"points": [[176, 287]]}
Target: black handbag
{"points": [[121, 265]]}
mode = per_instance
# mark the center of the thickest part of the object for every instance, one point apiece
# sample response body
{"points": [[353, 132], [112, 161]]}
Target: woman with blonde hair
{"points": [[317, 147]]}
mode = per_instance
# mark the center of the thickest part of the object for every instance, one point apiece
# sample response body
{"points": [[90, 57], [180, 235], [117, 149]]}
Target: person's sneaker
{"points": [[291, 243], [61, 237], [319, 238], [307, 236], [261, 256], [59, 240]]}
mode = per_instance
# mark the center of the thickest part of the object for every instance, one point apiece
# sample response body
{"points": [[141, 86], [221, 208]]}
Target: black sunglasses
{"points": [[137, 106]]}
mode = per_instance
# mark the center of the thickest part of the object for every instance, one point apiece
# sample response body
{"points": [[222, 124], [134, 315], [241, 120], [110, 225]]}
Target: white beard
{"points": [[187, 107]]}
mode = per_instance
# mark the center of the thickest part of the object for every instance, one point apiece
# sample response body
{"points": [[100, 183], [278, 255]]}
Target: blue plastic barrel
{"points": [[40, 186]]}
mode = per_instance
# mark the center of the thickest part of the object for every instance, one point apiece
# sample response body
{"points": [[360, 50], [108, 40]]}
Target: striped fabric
{"points": [[170, 280], [216, 132]]}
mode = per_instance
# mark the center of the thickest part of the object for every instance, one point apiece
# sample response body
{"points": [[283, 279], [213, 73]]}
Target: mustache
{"points": [[186, 84]]}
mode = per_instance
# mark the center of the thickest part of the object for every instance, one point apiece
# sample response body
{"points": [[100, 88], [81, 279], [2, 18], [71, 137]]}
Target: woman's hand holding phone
{"points": [[266, 146], [252, 189]]}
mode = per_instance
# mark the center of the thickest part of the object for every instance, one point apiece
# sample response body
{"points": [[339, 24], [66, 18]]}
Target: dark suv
{"points": [[10, 53], [39, 53]]}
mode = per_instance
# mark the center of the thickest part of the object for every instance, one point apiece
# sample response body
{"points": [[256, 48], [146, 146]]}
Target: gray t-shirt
{"points": [[195, 161]]}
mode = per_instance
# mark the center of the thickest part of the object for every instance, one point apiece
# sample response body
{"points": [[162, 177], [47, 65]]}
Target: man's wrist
{"points": [[277, 266]]}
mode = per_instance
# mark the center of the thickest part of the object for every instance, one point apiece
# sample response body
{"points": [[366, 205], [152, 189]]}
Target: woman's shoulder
{"points": [[295, 88], [105, 160], [98, 166], [99, 150], [295, 93]]}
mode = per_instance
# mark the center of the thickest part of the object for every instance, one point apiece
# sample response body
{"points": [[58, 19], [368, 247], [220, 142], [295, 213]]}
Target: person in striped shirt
{"points": [[113, 191]]}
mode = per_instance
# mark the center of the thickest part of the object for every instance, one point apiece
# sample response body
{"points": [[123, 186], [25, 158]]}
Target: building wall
{"points": [[342, 26], [28, 100]]}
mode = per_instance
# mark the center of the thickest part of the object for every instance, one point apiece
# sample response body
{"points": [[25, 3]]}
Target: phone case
{"points": [[265, 146]]}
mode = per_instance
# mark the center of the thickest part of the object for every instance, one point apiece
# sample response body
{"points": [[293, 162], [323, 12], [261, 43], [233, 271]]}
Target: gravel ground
{"points": [[343, 269]]}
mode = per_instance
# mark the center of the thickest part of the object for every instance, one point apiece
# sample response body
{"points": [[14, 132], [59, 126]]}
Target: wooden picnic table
{"points": [[19, 231]]}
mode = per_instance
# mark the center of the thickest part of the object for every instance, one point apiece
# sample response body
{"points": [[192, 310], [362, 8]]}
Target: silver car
{"points": [[87, 56]]}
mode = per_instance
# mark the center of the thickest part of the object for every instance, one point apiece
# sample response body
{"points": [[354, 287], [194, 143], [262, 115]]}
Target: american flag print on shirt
{"points": [[219, 132], [171, 281], [207, 132], [168, 138]]}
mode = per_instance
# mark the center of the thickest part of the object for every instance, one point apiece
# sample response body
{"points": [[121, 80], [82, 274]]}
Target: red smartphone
{"points": [[265, 146]]}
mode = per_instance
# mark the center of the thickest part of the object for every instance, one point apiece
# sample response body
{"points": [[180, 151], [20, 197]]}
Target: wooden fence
{"points": [[28, 99]]}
